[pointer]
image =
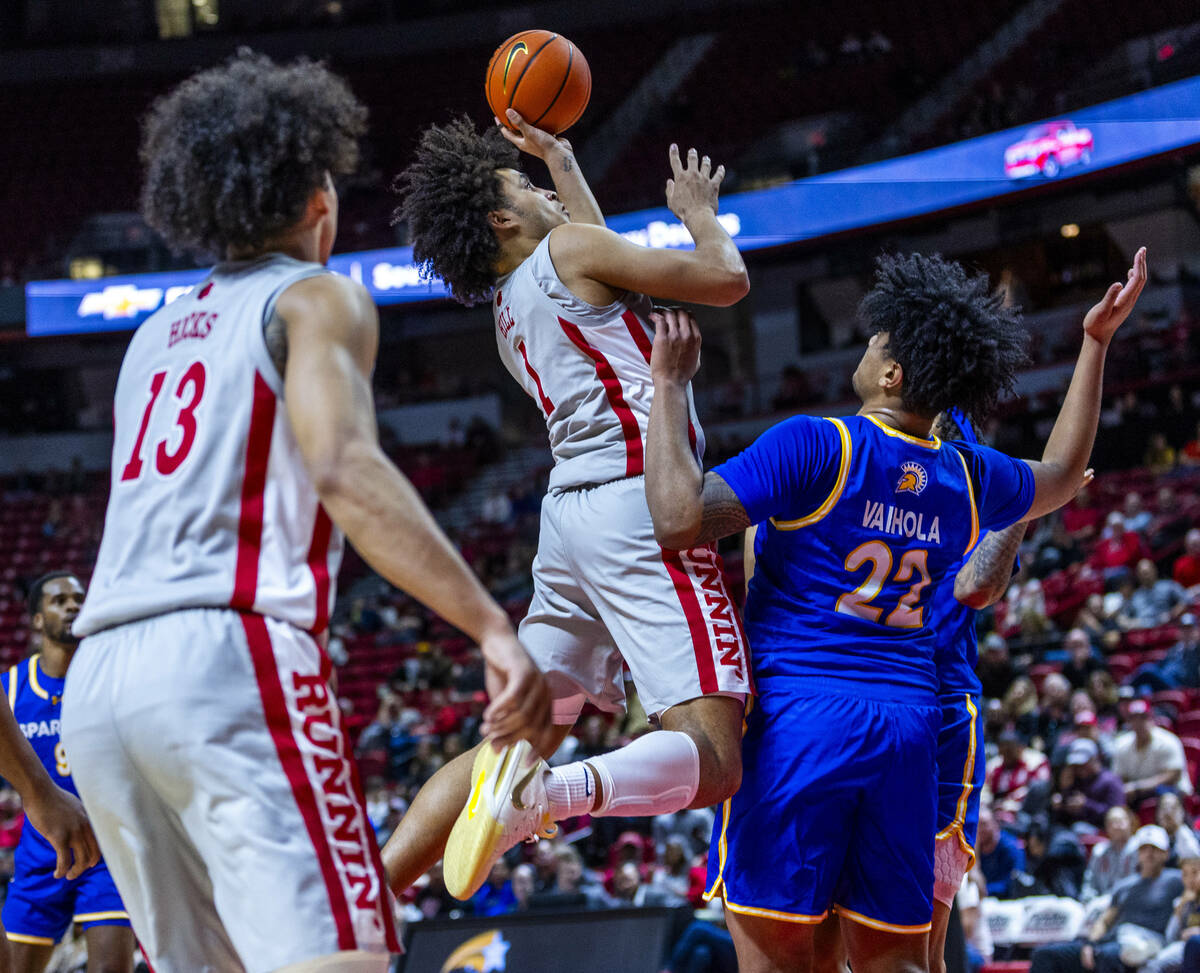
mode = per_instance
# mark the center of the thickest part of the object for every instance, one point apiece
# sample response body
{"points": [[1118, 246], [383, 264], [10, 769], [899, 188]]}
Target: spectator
{"points": [[1186, 570], [1099, 627], [1137, 517], [1081, 658], [686, 825], [1185, 922], [496, 897], [1156, 601], [629, 890], [496, 508], [1169, 816], [1114, 859], [995, 668], [572, 887], [545, 866], [1081, 517], [1105, 694], [1010, 774], [433, 899], [1159, 457], [975, 928], [672, 874], [1055, 711], [1054, 862], [1149, 758], [523, 881], [1119, 548], [999, 855], [1088, 789], [1020, 707], [1190, 454], [1179, 667], [703, 948], [1087, 727], [1146, 899]]}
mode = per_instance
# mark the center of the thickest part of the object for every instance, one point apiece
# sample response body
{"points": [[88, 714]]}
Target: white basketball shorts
{"points": [[605, 592], [208, 750]]}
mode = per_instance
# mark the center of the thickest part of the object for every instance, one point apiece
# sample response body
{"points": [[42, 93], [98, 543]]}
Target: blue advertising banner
{"points": [[989, 167]]}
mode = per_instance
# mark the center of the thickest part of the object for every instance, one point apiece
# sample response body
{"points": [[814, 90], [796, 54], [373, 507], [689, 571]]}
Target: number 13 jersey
{"points": [[862, 524], [210, 503]]}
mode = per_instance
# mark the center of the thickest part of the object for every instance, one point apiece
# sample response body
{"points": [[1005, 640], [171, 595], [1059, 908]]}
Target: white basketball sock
{"points": [[655, 774], [571, 791]]}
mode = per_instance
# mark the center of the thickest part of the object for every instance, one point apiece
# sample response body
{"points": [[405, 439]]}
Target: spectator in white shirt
{"points": [[1148, 758]]}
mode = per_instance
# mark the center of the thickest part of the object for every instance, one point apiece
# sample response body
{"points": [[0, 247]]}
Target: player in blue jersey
{"points": [[41, 907], [862, 520]]}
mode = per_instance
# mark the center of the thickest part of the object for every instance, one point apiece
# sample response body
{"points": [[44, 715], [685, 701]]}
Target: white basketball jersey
{"points": [[587, 368], [210, 504]]}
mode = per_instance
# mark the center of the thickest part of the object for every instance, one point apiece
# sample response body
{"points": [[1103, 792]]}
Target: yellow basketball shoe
{"points": [[508, 804]]}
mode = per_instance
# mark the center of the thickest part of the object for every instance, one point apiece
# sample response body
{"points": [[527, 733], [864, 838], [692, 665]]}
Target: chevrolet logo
{"points": [[121, 301]]}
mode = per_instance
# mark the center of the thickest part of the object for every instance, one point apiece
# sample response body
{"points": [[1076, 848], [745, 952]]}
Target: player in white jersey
{"points": [[198, 711], [573, 327]]}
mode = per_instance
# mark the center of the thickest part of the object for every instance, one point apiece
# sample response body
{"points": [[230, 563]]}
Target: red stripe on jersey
{"points": [[543, 398], [637, 331], [701, 643], [634, 464], [279, 722], [318, 564], [254, 482]]}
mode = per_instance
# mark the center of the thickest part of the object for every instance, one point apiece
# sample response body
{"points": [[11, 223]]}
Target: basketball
{"points": [[543, 76]]}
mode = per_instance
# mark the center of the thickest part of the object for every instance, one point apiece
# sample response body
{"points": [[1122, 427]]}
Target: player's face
{"points": [[538, 210], [874, 360], [61, 600]]}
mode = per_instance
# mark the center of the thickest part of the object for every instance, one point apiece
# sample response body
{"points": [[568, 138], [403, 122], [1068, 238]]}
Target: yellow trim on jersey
{"points": [[748, 910], [870, 923], [33, 679], [834, 495], [18, 937], [955, 828], [12, 687], [974, 508], [933, 443], [722, 846], [97, 916]]}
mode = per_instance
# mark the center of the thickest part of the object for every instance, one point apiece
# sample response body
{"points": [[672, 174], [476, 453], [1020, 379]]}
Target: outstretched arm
{"points": [[332, 333], [688, 507], [1057, 476], [569, 183], [712, 273], [57, 815], [983, 580]]}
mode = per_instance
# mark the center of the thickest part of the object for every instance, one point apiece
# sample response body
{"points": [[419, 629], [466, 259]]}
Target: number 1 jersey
{"points": [[862, 525], [210, 504]]}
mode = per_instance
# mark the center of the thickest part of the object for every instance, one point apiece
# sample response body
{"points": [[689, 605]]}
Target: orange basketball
{"points": [[543, 76]]}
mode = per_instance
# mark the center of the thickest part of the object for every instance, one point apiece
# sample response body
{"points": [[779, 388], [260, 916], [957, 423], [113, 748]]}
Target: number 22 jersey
{"points": [[211, 505], [862, 523]]}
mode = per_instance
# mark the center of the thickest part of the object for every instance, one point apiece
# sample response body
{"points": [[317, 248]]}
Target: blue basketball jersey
{"points": [[862, 525], [36, 701]]}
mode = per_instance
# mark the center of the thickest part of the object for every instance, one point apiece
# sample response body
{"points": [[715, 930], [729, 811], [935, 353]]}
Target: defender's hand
{"points": [[520, 706], [1103, 320], [62, 821], [694, 186], [534, 141], [676, 354]]}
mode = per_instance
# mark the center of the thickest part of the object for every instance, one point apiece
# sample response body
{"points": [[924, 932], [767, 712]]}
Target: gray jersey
{"points": [[210, 504], [587, 368]]}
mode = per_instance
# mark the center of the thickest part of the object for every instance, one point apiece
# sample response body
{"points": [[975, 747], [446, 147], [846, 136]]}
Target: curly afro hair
{"points": [[446, 195], [233, 153], [956, 341]]}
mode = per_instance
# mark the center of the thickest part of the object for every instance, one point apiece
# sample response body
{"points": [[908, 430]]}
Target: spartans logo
{"points": [[913, 478], [484, 953]]}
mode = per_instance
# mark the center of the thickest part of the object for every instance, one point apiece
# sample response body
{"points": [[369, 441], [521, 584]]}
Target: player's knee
{"points": [[720, 773]]}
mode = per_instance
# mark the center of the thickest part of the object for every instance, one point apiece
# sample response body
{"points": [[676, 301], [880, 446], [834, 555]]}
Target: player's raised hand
{"points": [[694, 185], [62, 821], [676, 354], [520, 706], [527, 138], [1103, 320]]}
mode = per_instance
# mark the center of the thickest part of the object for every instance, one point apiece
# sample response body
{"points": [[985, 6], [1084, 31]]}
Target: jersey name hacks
{"points": [[210, 503]]}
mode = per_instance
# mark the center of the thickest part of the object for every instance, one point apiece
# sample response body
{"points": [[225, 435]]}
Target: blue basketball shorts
{"points": [[836, 811], [41, 908], [961, 768]]}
